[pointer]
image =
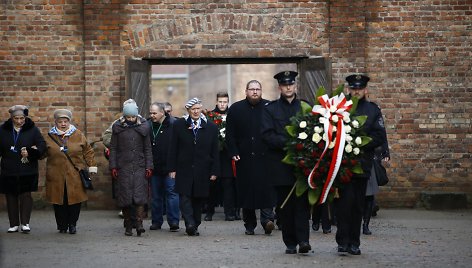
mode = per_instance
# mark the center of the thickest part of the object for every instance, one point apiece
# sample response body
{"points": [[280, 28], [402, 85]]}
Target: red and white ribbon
{"points": [[329, 107]]}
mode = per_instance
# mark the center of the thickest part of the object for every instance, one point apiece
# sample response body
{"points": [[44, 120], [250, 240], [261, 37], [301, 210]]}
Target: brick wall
{"points": [[71, 53]]}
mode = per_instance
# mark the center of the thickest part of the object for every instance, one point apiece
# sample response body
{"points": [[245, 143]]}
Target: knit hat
{"points": [[62, 113], [192, 102], [130, 108], [18, 110]]}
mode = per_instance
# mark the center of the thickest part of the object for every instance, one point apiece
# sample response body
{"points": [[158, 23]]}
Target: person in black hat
{"points": [[352, 194], [295, 215]]}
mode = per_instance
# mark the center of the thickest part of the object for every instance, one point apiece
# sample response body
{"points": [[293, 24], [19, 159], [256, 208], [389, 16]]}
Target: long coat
{"points": [[226, 170], [131, 155], [60, 172], [194, 161], [161, 143], [17, 177], [243, 138], [274, 119]]}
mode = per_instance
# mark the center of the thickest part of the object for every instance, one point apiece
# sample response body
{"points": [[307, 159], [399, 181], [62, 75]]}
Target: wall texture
{"points": [[71, 53]]}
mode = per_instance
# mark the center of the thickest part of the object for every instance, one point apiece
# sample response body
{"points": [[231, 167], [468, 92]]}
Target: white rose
{"points": [[318, 129], [333, 109], [302, 124], [358, 141], [348, 138], [223, 135], [356, 151], [316, 138], [355, 124], [222, 130], [302, 136], [331, 144], [322, 120], [325, 136], [346, 117], [335, 118], [334, 128], [223, 117], [347, 129], [348, 148]]}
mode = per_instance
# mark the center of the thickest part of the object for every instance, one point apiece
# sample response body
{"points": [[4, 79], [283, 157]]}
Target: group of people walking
{"points": [[181, 159]]}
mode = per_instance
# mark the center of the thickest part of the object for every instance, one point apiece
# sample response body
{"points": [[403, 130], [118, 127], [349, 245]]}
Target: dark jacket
{"points": [[194, 161], [275, 117], [17, 177], [226, 170], [374, 128], [131, 154], [161, 143], [243, 138]]}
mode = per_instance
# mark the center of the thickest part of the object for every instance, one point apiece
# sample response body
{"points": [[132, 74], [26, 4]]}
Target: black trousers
{"points": [[191, 209], [19, 208], [295, 216], [322, 213], [349, 212], [66, 214], [250, 218]]}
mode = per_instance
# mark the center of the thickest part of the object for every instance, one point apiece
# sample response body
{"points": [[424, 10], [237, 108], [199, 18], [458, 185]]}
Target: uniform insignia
{"points": [[358, 77], [287, 73]]}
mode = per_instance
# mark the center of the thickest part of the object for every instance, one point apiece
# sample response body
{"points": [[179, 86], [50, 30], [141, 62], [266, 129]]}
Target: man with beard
{"points": [[244, 141], [295, 215], [225, 181]]}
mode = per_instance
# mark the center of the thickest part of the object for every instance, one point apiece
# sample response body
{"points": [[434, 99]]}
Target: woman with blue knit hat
{"points": [[64, 187], [131, 164], [21, 146]]}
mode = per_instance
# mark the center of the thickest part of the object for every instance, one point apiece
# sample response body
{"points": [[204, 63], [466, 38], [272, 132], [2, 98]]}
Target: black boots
{"points": [[127, 221], [369, 202], [139, 220]]}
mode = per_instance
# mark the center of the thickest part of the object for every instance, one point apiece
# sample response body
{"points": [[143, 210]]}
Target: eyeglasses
{"points": [[253, 89]]}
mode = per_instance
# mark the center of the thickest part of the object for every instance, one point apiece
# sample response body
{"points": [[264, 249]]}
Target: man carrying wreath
{"points": [[352, 194]]}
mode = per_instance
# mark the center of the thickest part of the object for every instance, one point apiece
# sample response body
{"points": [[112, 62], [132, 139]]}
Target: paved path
{"points": [[401, 238]]}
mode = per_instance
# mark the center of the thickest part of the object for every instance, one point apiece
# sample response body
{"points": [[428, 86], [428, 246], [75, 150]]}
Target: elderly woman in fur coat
{"points": [[131, 164]]}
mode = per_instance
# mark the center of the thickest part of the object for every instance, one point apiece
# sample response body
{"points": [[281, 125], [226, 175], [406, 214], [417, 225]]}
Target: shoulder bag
{"points": [[380, 172]]}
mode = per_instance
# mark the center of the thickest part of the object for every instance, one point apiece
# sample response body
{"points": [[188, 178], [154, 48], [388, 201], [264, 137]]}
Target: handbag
{"points": [[380, 172], [84, 174]]}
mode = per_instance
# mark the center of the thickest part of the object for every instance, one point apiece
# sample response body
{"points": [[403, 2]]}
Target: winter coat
{"points": [[60, 171], [276, 116], [243, 138], [194, 161], [161, 143], [17, 177], [131, 155], [226, 170]]}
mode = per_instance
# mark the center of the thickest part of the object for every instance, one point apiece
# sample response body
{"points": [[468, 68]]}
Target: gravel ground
{"points": [[401, 238]]}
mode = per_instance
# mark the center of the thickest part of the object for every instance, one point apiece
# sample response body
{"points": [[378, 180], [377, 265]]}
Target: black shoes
{"points": [[72, 229], [249, 232], [174, 227], [365, 229], [155, 226], [304, 247], [191, 230], [315, 226], [269, 227], [326, 231], [342, 248], [291, 250], [354, 250], [208, 217]]}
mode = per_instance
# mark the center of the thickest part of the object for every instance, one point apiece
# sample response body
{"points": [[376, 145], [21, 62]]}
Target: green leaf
{"points": [[365, 140], [361, 119], [355, 101], [357, 169], [288, 159], [291, 130], [338, 90], [313, 196], [306, 108], [302, 186], [320, 92]]}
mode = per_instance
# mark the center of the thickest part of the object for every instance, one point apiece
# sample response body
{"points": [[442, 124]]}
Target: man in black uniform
{"points": [[295, 215], [243, 137], [352, 194]]}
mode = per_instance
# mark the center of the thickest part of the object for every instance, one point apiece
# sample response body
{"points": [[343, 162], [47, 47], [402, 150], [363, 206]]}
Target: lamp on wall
{"points": [[170, 90]]}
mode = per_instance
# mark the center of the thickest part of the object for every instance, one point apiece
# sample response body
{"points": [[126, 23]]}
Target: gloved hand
{"points": [[148, 173], [114, 173]]}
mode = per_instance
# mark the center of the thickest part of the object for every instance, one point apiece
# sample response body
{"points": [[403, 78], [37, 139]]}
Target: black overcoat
{"points": [[161, 143], [194, 161], [17, 177], [243, 138], [275, 117], [226, 170]]}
